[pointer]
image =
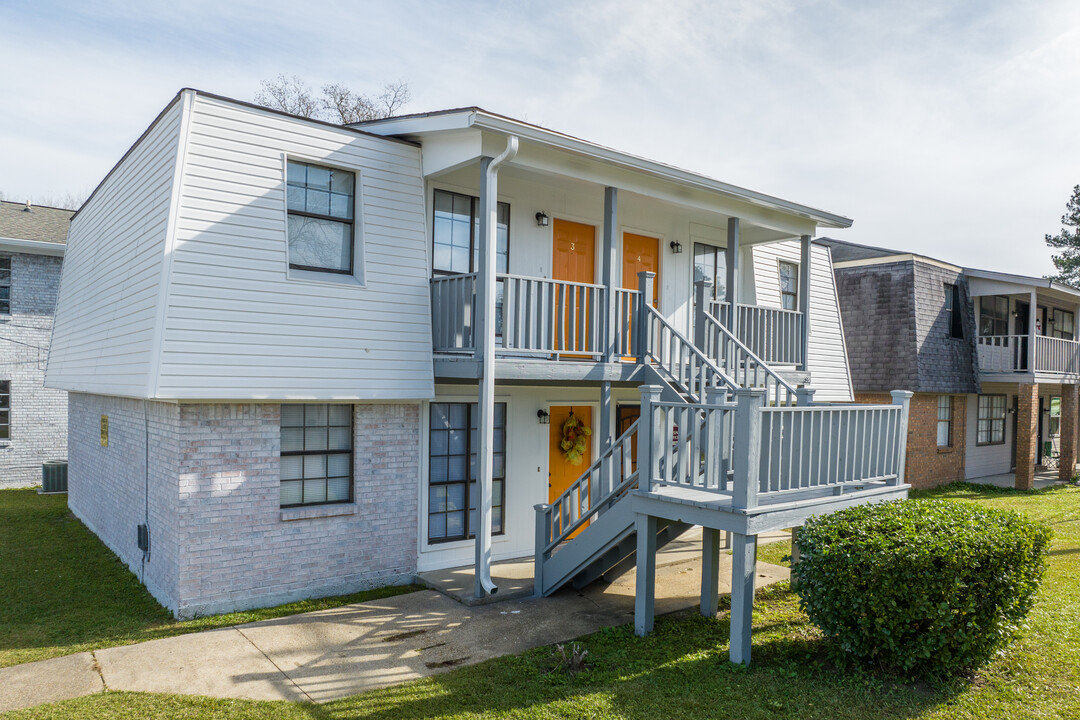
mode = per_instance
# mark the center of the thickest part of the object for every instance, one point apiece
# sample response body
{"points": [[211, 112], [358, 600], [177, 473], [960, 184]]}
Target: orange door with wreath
{"points": [[561, 470]]}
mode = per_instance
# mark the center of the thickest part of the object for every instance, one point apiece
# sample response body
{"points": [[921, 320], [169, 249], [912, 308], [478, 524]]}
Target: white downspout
{"points": [[486, 283]]}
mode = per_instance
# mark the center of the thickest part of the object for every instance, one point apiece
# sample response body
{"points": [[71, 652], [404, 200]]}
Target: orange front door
{"points": [[641, 253], [561, 471], [574, 260]]}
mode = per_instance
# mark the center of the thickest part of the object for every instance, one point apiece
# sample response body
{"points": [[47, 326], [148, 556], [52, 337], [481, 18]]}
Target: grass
{"points": [[681, 669], [62, 591]]}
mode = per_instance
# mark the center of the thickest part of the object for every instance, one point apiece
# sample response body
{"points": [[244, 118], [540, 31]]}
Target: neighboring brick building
{"points": [[991, 390], [33, 419]]}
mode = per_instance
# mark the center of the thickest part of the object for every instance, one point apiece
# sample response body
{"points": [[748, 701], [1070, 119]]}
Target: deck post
{"points": [[645, 596], [543, 537], [743, 572], [649, 394], [641, 329], [747, 455], [804, 301], [702, 295], [607, 270], [804, 396], [731, 256], [710, 571], [794, 554], [607, 437], [902, 398]]}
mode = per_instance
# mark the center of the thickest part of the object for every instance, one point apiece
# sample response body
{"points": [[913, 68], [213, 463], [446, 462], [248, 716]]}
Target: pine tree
{"points": [[1067, 241]]}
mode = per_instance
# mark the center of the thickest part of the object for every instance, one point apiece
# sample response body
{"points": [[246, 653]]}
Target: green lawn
{"points": [[62, 591], [681, 670]]}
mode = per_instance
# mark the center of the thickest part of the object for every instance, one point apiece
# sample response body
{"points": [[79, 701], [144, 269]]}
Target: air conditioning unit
{"points": [[54, 476]]}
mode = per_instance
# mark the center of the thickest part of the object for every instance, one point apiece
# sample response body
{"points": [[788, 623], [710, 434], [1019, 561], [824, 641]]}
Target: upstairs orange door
{"points": [[561, 472], [574, 260], [641, 253]]}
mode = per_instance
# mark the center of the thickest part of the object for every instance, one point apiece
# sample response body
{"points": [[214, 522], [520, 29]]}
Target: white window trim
{"points": [[780, 285], [358, 278]]}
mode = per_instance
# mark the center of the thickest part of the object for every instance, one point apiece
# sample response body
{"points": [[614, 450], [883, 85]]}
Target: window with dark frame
{"points": [[952, 310], [452, 462], [710, 263], [789, 285], [1062, 324], [455, 232], [316, 454], [321, 202], [944, 421], [990, 428], [5, 409], [5, 286], [993, 315]]}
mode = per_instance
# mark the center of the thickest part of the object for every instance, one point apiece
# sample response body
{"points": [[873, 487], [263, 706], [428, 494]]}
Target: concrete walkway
{"points": [[330, 654]]}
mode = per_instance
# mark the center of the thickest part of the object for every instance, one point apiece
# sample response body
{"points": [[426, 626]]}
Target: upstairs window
{"points": [[5, 409], [991, 420], [789, 285], [316, 454], [5, 286], [952, 311], [710, 264], [994, 315], [321, 204], [1062, 324], [944, 421], [456, 233]]}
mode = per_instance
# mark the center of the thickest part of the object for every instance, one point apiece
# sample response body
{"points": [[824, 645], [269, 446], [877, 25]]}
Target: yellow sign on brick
{"points": [[104, 431]]}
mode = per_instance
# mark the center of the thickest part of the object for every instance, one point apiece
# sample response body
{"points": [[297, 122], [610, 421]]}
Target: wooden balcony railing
{"points": [[1009, 353], [773, 334]]}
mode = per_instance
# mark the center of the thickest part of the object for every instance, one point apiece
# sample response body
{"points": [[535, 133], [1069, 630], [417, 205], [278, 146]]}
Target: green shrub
{"points": [[919, 588]]}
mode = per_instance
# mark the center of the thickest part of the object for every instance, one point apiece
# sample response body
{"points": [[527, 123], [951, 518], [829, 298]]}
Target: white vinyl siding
{"points": [[827, 357], [983, 460], [103, 336], [237, 326]]}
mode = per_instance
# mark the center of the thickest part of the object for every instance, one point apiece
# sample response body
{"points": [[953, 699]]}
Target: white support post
{"points": [[646, 463], [607, 268], [743, 572], [747, 458], [542, 538], [710, 571], [804, 300], [645, 598], [902, 398], [1033, 314], [641, 331]]}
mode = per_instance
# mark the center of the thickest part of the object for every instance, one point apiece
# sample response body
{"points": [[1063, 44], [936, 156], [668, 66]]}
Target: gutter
{"points": [[34, 247]]}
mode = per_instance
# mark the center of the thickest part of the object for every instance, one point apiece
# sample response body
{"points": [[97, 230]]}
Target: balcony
{"points": [[1010, 354]]}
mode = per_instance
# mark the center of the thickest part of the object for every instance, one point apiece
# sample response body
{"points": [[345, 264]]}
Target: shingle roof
{"points": [[45, 224], [843, 251]]}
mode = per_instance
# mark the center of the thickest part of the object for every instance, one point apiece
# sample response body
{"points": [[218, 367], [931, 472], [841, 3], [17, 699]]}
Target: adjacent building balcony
{"points": [[1017, 354]]}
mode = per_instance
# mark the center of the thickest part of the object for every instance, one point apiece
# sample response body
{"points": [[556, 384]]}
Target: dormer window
{"points": [[321, 202]]}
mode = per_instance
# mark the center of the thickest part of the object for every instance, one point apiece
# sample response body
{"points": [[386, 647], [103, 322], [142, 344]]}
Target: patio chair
{"points": [[1050, 454]]}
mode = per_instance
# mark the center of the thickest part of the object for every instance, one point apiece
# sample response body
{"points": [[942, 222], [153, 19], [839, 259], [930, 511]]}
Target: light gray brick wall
{"points": [[38, 415], [109, 490], [240, 550]]}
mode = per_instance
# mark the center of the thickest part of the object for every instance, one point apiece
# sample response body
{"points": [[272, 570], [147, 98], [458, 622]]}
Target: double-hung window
{"points": [[456, 233], [452, 493], [993, 315], [952, 311], [5, 286], [1062, 324], [789, 285], [990, 428], [944, 421], [710, 265], [316, 454], [5, 409], [322, 205]]}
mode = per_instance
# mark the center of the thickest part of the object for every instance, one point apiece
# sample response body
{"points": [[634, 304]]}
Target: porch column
{"points": [[731, 254], [1027, 434], [1067, 432], [607, 271], [804, 300], [485, 341], [1033, 313]]}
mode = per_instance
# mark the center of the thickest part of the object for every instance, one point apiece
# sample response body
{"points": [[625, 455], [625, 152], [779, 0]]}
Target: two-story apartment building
{"points": [[992, 358], [33, 419], [305, 358]]}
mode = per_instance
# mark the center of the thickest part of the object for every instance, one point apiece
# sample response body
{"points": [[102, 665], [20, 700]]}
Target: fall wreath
{"points": [[574, 443]]}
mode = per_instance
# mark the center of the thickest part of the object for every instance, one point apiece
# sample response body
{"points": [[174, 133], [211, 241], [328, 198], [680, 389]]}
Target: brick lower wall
{"points": [[108, 488], [927, 464]]}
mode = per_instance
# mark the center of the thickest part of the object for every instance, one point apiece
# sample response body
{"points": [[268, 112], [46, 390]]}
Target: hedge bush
{"points": [[919, 588]]}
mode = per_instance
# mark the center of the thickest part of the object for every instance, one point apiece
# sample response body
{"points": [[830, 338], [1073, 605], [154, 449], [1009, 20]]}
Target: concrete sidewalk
{"points": [[331, 654]]}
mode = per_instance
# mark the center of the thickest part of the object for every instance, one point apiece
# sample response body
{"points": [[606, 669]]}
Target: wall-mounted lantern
{"points": [[543, 417], [541, 219], [676, 246]]}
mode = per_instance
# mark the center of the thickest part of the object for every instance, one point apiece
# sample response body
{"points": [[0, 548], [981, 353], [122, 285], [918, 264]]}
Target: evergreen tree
{"points": [[1067, 262]]}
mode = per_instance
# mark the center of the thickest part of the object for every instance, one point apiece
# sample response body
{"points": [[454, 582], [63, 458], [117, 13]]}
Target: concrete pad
{"points": [[47, 681], [219, 663], [514, 578], [1043, 479]]}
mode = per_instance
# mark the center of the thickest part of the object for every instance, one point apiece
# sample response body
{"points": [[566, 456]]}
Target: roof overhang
{"points": [[987, 282], [33, 247], [416, 127]]}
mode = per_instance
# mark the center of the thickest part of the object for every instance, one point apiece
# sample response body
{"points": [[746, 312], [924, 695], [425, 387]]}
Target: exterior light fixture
{"points": [[541, 219], [676, 246], [543, 417]]}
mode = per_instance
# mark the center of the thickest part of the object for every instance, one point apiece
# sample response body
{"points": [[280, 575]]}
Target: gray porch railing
{"points": [[1009, 353], [682, 362], [772, 334], [453, 302]]}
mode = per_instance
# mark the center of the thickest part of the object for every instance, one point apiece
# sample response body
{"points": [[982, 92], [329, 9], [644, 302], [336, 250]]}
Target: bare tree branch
{"points": [[290, 94], [338, 104], [394, 97]]}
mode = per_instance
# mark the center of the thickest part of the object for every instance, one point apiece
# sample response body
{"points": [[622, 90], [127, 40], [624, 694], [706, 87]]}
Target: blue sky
{"points": [[943, 128]]}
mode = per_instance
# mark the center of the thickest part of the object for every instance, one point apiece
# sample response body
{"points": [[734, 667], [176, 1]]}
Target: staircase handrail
{"points": [[716, 325], [707, 365]]}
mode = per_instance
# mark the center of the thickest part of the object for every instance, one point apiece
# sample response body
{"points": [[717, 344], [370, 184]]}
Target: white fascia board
{"points": [[900, 257], [1023, 281], [506, 126], [32, 247]]}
